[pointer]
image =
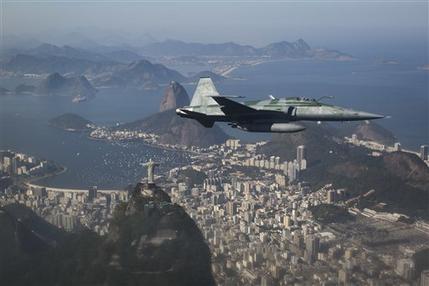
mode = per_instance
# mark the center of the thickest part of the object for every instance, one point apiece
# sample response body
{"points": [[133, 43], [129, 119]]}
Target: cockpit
{"points": [[302, 99]]}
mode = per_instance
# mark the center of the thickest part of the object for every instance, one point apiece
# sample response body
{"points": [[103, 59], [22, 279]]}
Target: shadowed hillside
{"points": [[150, 242], [399, 179]]}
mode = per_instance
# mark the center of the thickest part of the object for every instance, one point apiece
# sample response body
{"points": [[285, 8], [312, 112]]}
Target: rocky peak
{"points": [[54, 80], [47, 48], [287, 49], [175, 96], [140, 65], [301, 44], [56, 84]]}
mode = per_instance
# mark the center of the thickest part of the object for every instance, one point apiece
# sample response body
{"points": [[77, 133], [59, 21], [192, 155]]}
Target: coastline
{"points": [[158, 146], [226, 71], [62, 171]]}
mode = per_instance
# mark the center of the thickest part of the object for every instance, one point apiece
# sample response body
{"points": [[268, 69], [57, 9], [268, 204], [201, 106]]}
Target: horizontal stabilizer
{"points": [[200, 117], [187, 113]]}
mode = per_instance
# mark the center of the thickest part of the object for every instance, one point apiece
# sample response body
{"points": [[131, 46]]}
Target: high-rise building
{"points": [[406, 268], [343, 277], [233, 143], [281, 180], [292, 171], [68, 222], [349, 253], [300, 155], [424, 278], [287, 222], [331, 196], [231, 208], [303, 164], [266, 280], [14, 166], [7, 162], [92, 193], [312, 248], [23, 169], [424, 152], [234, 182], [266, 164]]}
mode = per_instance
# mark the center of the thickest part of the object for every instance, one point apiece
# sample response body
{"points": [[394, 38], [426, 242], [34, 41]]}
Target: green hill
{"points": [[70, 122]]}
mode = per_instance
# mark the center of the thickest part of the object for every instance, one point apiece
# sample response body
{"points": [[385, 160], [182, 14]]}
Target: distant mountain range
{"points": [[104, 70], [112, 55], [48, 50], [130, 67], [31, 64], [283, 49], [180, 48], [141, 73], [48, 58]]}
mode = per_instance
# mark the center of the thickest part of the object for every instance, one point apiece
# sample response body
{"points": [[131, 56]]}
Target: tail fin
{"points": [[202, 95]]}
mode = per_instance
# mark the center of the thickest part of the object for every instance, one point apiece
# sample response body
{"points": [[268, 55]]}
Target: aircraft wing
{"points": [[231, 107]]}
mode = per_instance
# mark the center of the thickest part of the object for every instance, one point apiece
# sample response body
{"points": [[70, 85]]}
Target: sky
{"points": [[334, 23]]}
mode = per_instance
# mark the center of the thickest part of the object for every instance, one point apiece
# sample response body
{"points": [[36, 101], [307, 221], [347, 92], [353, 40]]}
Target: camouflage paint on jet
{"points": [[272, 115]]}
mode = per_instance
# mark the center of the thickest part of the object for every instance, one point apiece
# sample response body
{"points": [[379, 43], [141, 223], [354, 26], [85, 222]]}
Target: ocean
{"points": [[24, 128]]}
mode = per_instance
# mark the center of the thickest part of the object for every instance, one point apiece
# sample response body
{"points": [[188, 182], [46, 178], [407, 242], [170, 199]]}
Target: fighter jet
{"points": [[279, 115]]}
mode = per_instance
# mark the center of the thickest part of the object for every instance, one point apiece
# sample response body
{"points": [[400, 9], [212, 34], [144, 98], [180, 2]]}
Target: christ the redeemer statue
{"points": [[151, 171]]}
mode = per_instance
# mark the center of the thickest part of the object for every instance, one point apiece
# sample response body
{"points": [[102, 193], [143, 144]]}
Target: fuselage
{"points": [[272, 115], [282, 110]]}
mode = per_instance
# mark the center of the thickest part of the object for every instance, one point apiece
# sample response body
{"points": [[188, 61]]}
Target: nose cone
{"points": [[349, 114], [368, 116]]}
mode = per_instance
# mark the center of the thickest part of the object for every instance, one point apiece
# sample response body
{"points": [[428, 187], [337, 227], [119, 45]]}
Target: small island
{"points": [[424, 67], [71, 122]]}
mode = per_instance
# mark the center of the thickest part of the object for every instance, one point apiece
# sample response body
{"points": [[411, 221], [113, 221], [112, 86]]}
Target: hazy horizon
{"points": [[349, 25]]}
